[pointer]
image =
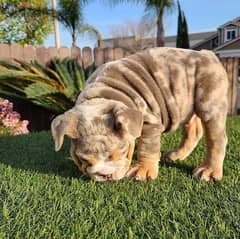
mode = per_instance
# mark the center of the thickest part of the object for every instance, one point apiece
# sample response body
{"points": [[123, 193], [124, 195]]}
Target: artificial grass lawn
{"points": [[44, 196]]}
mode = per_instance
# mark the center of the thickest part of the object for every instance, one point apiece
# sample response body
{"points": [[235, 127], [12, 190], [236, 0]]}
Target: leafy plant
{"points": [[10, 123], [21, 23], [68, 13], [54, 87]]}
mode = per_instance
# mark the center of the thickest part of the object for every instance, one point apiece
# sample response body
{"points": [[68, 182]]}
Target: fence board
{"points": [[16, 52], [76, 54], [29, 53], [108, 54], [118, 53], [223, 61], [98, 56], [42, 54], [229, 65], [234, 86], [5, 52], [53, 52], [63, 52], [87, 57]]}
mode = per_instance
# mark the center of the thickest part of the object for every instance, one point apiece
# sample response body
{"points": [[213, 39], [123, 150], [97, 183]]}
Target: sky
{"points": [[201, 15]]}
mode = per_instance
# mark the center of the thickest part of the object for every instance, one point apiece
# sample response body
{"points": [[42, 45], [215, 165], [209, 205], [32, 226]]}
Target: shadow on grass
{"points": [[181, 165], [35, 153]]}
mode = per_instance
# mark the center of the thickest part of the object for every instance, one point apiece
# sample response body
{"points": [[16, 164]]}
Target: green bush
{"points": [[54, 87]]}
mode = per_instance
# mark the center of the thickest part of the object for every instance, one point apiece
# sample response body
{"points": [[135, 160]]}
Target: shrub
{"points": [[54, 87], [10, 123]]}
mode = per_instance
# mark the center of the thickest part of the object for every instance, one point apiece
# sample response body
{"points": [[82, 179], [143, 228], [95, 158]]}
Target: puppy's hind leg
{"points": [[211, 106], [216, 138], [192, 133]]}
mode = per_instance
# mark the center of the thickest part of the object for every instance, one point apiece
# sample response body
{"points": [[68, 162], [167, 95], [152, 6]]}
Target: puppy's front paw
{"points": [[207, 173], [142, 171]]}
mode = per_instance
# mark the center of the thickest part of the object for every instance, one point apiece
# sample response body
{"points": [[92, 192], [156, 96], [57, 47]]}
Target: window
{"points": [[230, 34]]}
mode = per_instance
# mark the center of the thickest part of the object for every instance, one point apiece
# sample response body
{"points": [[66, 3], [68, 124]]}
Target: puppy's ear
{"points": [[65, 124], [129, 121]]}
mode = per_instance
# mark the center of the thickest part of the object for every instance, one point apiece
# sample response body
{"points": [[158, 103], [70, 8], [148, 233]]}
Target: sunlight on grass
{"points": [[43, 195]]}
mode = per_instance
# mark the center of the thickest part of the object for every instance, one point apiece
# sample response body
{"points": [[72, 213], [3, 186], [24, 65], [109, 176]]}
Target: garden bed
{"points": [[43, 195]]}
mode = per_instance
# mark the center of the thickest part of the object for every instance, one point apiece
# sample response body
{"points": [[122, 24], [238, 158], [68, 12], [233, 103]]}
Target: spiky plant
{"points": [[54, 87]]}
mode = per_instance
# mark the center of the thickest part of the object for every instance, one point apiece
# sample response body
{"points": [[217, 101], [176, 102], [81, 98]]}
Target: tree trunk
{"points": [[55, 24], [100, 43], [73, 39], [160, 30]]}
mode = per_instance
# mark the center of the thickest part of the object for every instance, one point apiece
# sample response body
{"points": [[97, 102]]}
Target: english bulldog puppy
{"points": [[141, 97]]}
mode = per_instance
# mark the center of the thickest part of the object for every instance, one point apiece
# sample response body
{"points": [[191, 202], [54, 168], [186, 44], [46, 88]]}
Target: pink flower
{"points": [[21, 128], [5, 107], [11, 119]]}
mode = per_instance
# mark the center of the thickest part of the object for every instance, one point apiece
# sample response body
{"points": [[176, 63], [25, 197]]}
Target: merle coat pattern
{"points": [[142, 96]]}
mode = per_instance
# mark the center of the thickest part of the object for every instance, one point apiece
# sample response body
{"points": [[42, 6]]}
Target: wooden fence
{"points": [[231, 65], [85, 56], [40, 118]]}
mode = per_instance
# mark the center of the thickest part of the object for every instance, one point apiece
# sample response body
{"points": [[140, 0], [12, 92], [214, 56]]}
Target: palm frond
{"points": [[54, 87], [155, 6]]}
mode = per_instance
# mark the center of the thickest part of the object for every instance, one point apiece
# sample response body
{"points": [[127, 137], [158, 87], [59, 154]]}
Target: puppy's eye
{"points": [[90, 161], [83, 160]]}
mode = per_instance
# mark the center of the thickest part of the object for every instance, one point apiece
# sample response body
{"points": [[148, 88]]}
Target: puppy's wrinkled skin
{"points": [[142, 96]]}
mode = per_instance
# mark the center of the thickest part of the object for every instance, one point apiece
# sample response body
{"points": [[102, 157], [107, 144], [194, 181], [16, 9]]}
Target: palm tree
{"points": [[70, 14], [155, 9], [55, 24], [93, 32]]}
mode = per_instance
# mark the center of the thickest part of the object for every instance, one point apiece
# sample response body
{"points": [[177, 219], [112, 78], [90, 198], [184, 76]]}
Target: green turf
{"points": [[44, 196]]}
